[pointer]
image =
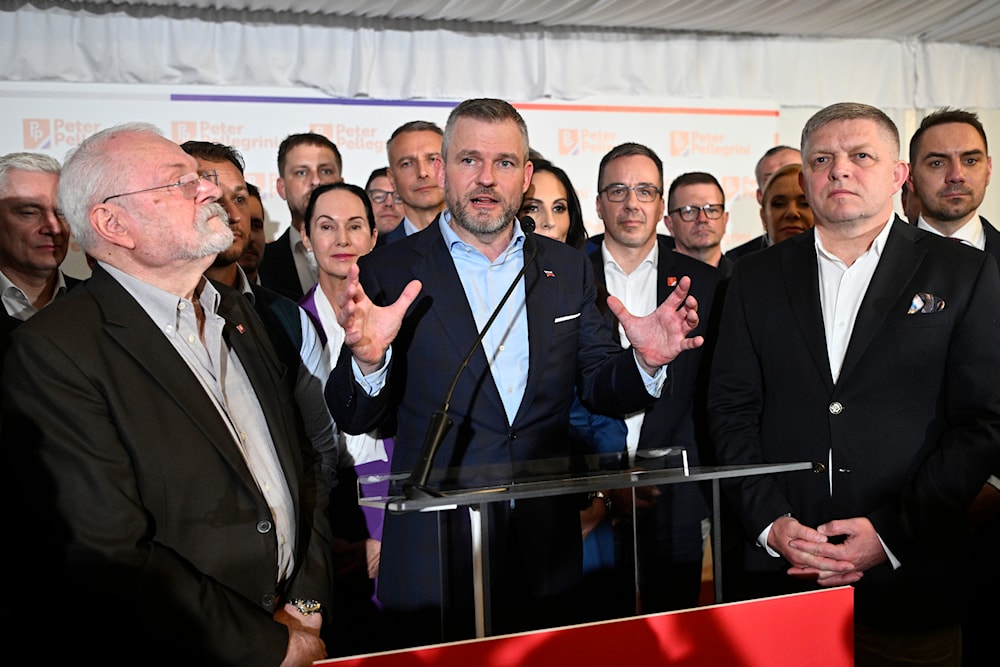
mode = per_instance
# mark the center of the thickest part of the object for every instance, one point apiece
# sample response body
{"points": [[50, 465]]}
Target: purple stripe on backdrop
{"points": [[267, 99]]}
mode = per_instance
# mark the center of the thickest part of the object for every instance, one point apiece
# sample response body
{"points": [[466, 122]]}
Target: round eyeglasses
{"points": [[188, 185]]}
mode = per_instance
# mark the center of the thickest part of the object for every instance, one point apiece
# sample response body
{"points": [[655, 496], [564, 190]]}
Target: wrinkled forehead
{"points": [[149, 157], [851, 132]]}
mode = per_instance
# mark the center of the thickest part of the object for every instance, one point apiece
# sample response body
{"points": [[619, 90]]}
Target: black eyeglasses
{"points": [[690, 213], [618, 192], [379, 196], [188, 185]]}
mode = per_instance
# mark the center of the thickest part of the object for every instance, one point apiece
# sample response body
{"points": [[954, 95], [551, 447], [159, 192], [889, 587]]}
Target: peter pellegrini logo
{"points": [[183, 130], [684, 143], [350, 137], [48, 133], [37, 133], [573, 141], [680, 143], [569, 142]]}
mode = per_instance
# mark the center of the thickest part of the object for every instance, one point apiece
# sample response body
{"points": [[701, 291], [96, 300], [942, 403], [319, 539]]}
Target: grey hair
{"points": [[849, 111], [34, 162], [89, 176], [485, 110]]}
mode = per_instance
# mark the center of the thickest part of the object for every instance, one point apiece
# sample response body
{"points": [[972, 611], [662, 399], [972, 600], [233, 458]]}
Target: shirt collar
{"points": [[160, 305], [971, 233], [877, 245], [455, 243], [652, 258]]}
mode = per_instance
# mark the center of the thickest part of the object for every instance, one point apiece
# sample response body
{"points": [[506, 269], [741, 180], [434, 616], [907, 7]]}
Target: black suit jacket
{"points": [[163, 521], [277, 268], [992, 239], [669, 420], [913, 422], [753, 245], [570, 345]]}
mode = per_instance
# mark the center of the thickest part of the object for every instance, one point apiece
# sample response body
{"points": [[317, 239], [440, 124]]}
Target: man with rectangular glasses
{"points": [[697, 218]]}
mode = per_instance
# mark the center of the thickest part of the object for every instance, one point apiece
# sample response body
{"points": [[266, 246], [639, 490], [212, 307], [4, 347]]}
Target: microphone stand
{"points": [[440, 423]]}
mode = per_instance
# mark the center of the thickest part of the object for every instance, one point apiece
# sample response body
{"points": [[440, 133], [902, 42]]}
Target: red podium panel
{"points": [[809, 629]]}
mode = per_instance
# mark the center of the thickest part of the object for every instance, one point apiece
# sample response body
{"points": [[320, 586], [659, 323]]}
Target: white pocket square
{"points": [[565, 318]]}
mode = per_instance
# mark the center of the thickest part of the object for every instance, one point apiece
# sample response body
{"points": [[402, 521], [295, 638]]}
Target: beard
{"points": [[942, 209], [231, 254], [213, 233], [482, 224]]}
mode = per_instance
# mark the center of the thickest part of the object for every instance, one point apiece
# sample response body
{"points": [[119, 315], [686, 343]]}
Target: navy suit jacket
{"points": [[163, 521], [570, 346], [913, 421], [277, 268]]}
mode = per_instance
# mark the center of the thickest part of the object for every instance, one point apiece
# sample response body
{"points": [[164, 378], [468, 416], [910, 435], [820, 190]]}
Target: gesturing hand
{"points": [[661, 336], [370, 329]]}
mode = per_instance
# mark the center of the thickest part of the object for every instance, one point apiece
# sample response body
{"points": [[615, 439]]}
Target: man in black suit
{"points": [[181, 512], [950, 168], [413, 149], [304, 161], [868, 348], [511, 405], [639, 267], [34, 238]]}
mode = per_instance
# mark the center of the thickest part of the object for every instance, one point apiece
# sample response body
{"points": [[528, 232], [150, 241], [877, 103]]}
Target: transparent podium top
{"points": [[536, 478]]}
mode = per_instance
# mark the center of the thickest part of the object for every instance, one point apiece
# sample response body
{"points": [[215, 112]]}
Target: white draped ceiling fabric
{"points": [[896, 54]]}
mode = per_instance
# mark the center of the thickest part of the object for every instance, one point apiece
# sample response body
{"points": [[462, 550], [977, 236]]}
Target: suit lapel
{"points": [[899, 261], [801, 278], [992, 239], [436, 271], [138, 336], [541, 318], [260, 362]]}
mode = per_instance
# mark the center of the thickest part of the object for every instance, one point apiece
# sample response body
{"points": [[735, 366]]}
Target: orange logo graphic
{"points": [[183, 130], [569, 142], [37, 133], [326, 129], [680, 143]]}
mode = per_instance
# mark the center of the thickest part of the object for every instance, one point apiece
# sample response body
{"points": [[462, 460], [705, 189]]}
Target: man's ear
{"points": [[110, 222]]}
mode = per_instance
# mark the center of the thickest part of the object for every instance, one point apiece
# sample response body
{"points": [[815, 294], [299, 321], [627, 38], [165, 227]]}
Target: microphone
{"points": [[416, 485]]}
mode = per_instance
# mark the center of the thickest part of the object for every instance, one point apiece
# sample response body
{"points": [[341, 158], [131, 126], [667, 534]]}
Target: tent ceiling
{"points": [[973, 22]]}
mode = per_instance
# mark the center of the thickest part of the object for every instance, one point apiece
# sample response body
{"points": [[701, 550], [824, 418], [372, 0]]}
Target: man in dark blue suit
{"points": [[950, 168], [511, 406]]}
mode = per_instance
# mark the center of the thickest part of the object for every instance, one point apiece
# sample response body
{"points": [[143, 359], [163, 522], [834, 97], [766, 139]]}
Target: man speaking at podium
{"points": [[410, 319]]}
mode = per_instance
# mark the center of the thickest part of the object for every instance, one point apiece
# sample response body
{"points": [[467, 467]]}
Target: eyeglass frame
{"points": [[210, 175], [627, 189], [684, 211], [396, 199]]}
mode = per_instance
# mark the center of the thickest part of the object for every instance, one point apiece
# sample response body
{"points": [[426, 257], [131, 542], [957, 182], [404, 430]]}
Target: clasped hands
{"points": [[657, 338], [833, 554]]}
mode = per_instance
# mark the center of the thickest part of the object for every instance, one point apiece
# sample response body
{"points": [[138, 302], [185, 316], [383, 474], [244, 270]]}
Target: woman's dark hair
{"points": [[327, 187], [577, 234]]}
